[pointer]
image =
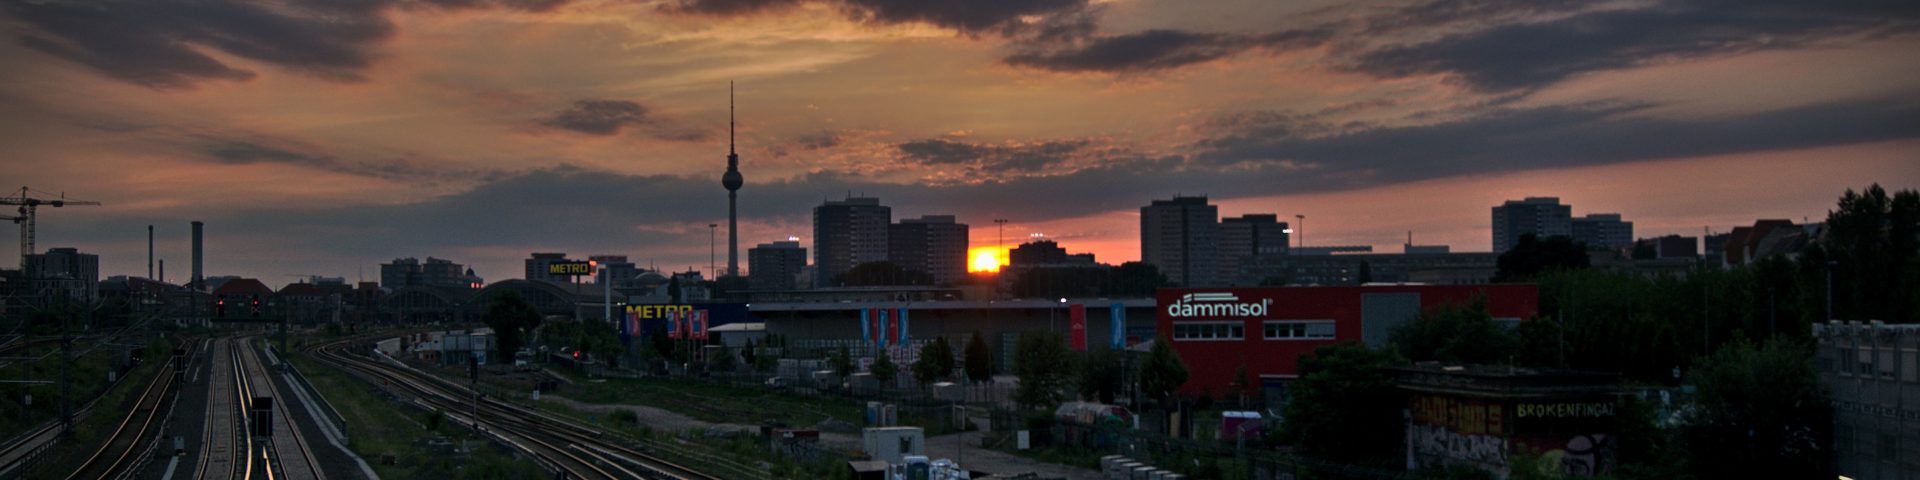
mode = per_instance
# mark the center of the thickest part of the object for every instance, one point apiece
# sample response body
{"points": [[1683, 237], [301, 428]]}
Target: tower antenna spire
{"points": [[729, 117]]}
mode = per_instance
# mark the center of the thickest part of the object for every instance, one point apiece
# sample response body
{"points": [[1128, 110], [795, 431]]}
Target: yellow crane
{"points": [[29, 208]]}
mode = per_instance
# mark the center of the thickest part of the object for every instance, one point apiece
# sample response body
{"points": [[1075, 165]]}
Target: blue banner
{"points": [[1119, 314], [903, 326], [866, 329]]}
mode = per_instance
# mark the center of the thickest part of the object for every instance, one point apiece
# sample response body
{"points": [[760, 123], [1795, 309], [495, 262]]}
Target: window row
{"points": [[1273, 330]]}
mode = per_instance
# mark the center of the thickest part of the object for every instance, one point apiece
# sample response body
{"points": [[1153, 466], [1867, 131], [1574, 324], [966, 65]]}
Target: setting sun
{"points": [[986, 259]]}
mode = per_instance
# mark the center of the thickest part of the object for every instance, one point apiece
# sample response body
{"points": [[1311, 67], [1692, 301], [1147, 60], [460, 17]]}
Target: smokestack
{"points": [[163, 272], [195, 282], [149, 252]]}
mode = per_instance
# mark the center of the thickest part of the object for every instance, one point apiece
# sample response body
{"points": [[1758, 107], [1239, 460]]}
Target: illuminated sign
{"points": [[648, 312], [1217, 305], [570, 268]]}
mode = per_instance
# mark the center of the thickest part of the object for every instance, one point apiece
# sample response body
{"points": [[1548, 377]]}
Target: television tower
{"points": [[732, 181]]}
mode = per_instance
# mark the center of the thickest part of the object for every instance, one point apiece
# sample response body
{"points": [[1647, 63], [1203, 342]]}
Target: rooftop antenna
{"points": [[729, 118]]}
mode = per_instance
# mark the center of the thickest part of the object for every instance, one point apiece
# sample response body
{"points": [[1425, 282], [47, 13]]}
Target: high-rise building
{"points": [[435, 272], [1541, 216], [848, 233], [537, 267], [934, 244], [776, 265], [1182, 237], [1246, 238], [65, 271], [615, 267], [1602, 231]]}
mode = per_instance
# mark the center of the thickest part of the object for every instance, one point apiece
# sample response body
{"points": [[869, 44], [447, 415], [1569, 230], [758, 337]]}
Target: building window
{"points": [[1298, 330], [1209, 331]]}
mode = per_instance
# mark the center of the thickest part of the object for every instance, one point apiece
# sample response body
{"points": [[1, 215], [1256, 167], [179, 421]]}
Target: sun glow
{"points": [[986, 259]]}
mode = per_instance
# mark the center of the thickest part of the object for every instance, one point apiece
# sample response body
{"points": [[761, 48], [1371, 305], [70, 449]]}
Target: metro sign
{"points": [[1223, 304]]}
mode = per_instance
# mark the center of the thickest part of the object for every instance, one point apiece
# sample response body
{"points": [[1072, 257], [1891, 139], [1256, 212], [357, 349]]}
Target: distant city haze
{"points": [[485, 131]]}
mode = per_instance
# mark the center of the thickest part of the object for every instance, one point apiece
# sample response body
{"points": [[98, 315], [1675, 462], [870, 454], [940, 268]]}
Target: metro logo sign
{"points": [[1221, 304]]}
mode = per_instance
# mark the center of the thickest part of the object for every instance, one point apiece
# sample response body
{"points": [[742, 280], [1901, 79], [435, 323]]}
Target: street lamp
{"points": [[1301, 226]]}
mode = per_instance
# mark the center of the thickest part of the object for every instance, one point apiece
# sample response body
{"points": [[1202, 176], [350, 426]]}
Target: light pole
{"points": [[1301, 227], [1000, 237]]}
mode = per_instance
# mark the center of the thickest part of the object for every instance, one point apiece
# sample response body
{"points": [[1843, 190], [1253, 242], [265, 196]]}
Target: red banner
{"points": [[673, 324], [698, 324], [1077, 315]]}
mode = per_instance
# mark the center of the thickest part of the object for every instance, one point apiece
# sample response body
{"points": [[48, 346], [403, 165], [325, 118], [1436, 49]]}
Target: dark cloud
{"points": [[1005, 17], [256, 151], [598, 117], [160, 43], [1515, 139], [819, 141], [728, 7], [1157, 50], [997, 160], [1533, 54]]}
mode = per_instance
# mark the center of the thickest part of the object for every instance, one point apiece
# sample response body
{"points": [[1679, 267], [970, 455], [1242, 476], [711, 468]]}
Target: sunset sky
{"points": [[326, 137]]}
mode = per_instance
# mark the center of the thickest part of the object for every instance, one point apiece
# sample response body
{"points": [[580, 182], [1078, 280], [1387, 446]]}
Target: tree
{"points": [[600, 339], [1135, 279], [935, 362], [662, 346], [841, 361], [1162, 372], [881, 273], [511, 318], [979, 360], [1345, 407], [722, 360], [1871, 240], [1241, 387], [1101, 374], [884, 369], [1044, 366], [1531, 256], [1457, 333], [1759, 412]]}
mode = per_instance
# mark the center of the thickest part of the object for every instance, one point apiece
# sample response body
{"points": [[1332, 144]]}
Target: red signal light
{"points": [[576, 354]]}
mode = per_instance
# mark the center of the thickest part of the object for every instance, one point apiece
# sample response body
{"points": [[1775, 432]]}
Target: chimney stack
{"points": [[195, 281], [149, 252]]}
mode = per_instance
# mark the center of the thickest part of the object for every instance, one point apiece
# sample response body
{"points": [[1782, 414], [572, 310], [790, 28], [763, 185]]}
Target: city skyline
{"points": [[487, 132]]}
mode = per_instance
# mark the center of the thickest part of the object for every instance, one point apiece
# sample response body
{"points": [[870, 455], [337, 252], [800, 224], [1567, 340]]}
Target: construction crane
{"points": [[29, 206]]}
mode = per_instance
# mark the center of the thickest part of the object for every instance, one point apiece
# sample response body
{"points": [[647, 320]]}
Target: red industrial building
{"points": [[1216, 330]]}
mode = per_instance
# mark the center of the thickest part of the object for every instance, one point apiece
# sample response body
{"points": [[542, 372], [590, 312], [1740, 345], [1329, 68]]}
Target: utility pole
{"points": [[1302, 220], [1000, 237]]}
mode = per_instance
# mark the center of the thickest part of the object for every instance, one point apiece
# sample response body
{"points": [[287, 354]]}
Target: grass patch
{"points": [[88, 374], [88, 434], [712, 402], [420, 443]]}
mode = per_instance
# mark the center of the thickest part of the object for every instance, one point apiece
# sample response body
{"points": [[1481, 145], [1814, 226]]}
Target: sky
{"points": [[326, 137]]}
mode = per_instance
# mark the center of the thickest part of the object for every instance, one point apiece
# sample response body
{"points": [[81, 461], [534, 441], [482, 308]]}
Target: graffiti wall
{"points": [[1569, 436]]}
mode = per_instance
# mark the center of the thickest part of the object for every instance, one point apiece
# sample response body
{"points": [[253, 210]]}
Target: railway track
{"points": [[289, 456], [558, 444], [117, 455], [226, 451]]}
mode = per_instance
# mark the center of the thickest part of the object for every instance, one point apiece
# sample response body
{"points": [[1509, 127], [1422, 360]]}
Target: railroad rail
{"points": [[558, 444], [116, 455]]}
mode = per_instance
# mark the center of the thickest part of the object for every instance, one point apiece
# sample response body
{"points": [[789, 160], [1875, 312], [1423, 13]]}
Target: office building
{"points": [[1246, 238], [537, 267], [1541, 216], [776, 265], [614, 267], [848, 233], [1181, 237], [934, 244], [435, 272], [64, 272], [1043, 252], [1602, 231], [1871, 378]]}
